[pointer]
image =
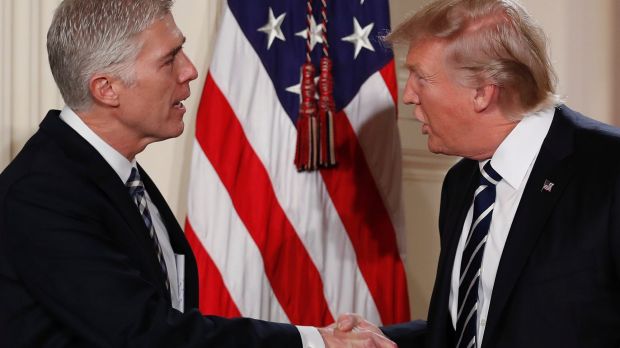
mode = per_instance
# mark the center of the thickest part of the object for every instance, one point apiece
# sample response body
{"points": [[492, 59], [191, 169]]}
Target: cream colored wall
{"points": [[582, 48]]}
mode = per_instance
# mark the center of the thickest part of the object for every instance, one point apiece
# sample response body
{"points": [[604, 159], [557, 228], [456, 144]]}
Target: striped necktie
{"points": [[136, 191], [484, 200]]}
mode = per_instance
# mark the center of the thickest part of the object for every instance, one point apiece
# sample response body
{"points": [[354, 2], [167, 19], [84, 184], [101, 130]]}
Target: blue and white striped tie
{"points": [[467, 315], [136, 191]]}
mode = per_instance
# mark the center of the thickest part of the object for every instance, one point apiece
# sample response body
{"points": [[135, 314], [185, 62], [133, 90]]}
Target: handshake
{"points": [[351, 330]]}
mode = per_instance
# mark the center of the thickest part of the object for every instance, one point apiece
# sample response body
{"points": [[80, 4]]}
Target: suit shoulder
{"points": [[24, 161], [591, 134], [41, 159], [590, 145]]}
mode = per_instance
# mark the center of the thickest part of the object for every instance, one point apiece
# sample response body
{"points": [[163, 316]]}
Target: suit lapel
{"points": [[462, 203], [177, 240], [460, 193], [553, 165], [110, 185], [175, 233]]}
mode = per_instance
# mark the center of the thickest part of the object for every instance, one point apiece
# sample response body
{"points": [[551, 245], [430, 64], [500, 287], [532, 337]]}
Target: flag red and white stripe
{"points": [[275, 244]]}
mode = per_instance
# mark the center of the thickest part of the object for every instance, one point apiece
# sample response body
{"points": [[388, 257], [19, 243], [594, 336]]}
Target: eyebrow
{"points": [[173, 52], [413, 68]]}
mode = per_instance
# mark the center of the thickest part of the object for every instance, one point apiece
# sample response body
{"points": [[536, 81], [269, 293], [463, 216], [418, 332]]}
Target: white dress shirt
{"points": [[513, 160], [310, 336], [122, 166]]}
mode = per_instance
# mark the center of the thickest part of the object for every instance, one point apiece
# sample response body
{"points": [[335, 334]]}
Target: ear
{"points": [[103, 90], [485, 96]]}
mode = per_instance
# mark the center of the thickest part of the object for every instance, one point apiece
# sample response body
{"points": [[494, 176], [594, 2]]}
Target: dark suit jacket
{"points": [[558, 281], [77, 268]]}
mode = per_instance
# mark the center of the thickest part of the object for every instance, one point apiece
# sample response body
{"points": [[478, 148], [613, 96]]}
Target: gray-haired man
{"points": [[90, 253]]}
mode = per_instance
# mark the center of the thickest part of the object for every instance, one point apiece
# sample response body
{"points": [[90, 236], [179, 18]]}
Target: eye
{"points": [[176, 54], [418, 79], [173, 58]]}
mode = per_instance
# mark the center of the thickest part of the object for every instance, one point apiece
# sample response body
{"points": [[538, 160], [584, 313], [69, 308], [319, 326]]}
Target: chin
{"points": [[181, 129], [177, 133], [435, 151], [171, 132], [178, 129], [432, 147]]}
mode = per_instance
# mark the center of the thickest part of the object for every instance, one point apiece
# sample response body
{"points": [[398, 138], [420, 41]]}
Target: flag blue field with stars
{"points": [[354, 32]]}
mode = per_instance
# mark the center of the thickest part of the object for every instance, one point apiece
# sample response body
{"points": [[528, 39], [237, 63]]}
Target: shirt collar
{"points": [[517, 152], [121, 165]]}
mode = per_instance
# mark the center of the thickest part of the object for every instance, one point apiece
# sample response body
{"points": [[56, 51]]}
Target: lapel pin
{"points": [[547, 186]]}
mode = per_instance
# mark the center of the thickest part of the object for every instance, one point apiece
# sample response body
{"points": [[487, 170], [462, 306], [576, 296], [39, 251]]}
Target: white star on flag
{"points": [[297, 88], [272, 28], [316, 33], [360, 37]]}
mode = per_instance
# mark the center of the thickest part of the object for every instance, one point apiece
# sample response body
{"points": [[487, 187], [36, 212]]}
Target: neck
{"points": [[107, 126], [494, 131]]}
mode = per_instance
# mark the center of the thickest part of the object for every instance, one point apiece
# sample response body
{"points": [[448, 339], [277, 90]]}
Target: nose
{"points": [[410, 96], [188, 71]]}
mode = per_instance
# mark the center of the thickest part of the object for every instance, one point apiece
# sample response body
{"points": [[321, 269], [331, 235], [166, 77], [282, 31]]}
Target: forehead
{"points": [[161, 36], [425, 54]]}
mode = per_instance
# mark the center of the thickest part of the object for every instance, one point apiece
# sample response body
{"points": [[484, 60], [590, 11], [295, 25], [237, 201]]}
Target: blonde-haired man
{"points": [[530, 217]]}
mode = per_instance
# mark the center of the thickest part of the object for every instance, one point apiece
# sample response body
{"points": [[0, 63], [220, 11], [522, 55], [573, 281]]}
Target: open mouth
{"points": [[178, 104]]}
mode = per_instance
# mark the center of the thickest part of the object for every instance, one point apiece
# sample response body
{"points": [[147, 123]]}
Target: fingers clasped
{"points": [[351, 330]]}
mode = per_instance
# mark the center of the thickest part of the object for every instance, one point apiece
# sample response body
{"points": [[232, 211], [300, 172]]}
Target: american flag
{"points": [[273, 243]]}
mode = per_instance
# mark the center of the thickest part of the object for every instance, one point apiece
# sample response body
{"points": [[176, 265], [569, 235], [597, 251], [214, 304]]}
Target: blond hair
{"points": [[489, 42]]}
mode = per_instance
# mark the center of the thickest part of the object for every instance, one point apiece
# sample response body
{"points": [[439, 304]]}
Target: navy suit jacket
{"points": [[558, 281], [77, 268]]}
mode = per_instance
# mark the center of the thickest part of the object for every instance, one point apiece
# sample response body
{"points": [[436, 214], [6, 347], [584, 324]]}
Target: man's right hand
{"points": [[351, 330]]}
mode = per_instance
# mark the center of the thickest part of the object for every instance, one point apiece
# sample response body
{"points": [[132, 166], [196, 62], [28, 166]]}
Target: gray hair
{"points": [[97, 36], [489, 41]]}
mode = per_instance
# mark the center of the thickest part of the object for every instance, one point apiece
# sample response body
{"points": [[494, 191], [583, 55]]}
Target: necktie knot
{"points": [[134, 183], [488, 175]]}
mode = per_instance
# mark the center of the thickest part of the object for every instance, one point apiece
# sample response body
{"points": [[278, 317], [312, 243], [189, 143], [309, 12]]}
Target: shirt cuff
{"points": [[310, 337]]}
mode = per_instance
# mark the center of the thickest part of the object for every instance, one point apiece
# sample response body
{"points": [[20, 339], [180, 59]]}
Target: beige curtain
{"points": [[27, 88]]}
